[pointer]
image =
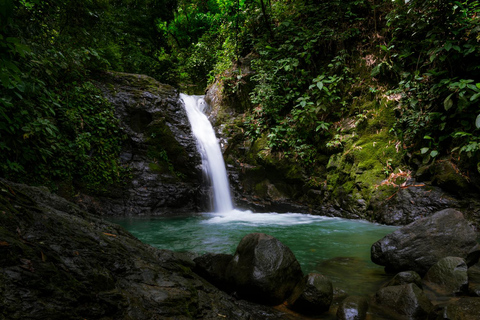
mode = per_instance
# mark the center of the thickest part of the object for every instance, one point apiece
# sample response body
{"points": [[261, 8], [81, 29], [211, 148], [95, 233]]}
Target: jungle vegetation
{"points": [[314, 63]]}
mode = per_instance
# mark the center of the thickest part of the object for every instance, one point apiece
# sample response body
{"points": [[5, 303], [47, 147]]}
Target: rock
{"points": [[467, 308], [410, 204], [353, 308], [213, 267], [448, 276], [405, 277], [312, 295], [474, 280], [59, 262], [406, 300], [263, 269], [160, 151], [419, 245]]}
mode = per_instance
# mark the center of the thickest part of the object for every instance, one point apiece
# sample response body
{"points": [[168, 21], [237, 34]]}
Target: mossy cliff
{"points": [[159, 150], [362, 172]]}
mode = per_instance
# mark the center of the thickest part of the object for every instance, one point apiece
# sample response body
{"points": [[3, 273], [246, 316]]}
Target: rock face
{"points": [[419, 245], [160, 150], [448, 276], [467, 308], [59, 262], [312, 295], [406, 300], [263, 269]]}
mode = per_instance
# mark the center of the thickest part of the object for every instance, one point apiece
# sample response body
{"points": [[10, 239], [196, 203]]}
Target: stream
{"points": [[338, 248]]}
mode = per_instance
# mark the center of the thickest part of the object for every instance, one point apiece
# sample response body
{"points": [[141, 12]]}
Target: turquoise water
{"points": [[338, 248]]}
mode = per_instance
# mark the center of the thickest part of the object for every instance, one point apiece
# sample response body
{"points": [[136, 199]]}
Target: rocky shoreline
{"points": [[59, 262]]}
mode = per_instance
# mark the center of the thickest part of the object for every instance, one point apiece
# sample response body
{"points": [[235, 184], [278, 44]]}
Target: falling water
{"points": [[212, 158]]}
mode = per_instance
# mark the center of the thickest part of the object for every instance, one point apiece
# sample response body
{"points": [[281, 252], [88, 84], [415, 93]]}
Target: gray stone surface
{"points": [[406, 300], [419, 245], [263, 269], [448, 276]]}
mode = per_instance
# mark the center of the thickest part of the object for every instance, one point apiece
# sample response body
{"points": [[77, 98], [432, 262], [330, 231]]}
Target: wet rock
{"points": [[263, 269], [405, 277], [474, 280], [467, 308], [59, 262], [160, 151], [353, 308], [448, 276], [419, 245], [410, 204], [213, 267], [312, 295], [406, 300]]}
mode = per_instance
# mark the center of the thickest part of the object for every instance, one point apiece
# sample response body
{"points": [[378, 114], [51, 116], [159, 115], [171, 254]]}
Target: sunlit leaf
{"points": [[424, 150], [477, 122], [448, 103]]}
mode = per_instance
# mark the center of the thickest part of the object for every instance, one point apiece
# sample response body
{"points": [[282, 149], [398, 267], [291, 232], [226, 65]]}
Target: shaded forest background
{"points": [[312, 64]]}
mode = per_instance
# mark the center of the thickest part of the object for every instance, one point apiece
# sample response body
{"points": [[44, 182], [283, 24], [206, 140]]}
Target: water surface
{"points": [[338, 248]]}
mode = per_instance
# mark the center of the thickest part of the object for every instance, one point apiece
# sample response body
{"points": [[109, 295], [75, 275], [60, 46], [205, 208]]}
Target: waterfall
{"points": [[212, 158]]}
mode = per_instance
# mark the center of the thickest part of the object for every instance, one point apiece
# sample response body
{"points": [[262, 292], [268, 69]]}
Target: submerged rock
{"points": [[419, 245], [59, 262], [160, 150], [263, 269]]}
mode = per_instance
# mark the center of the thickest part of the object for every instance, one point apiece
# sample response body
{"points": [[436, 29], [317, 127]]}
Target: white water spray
{"points": [[212, 158]]}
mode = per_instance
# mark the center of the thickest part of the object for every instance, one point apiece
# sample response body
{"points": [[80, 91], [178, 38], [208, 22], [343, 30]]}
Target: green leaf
{"points": [[320, 85], [424, 150], [448, 103], [477, 122], [434, 153], [448, 46], [475, 96]]}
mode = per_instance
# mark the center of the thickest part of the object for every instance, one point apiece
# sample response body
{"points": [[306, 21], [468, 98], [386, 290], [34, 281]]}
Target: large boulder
{"points": [[59, 262], [312, 295], [419, 245], [263, 269], [407, 300], [448, 276], [160, 151]]}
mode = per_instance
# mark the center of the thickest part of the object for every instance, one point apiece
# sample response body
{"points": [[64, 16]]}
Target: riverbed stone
{"points": [[474, 280], [419, 245], [406, 300], [312, 295], [353, 308], [263, 269], [448, 276], [405, 277], [466, 308]]}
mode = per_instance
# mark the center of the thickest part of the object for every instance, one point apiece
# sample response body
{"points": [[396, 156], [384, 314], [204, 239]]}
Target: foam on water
{"points": [[270, 218]]}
